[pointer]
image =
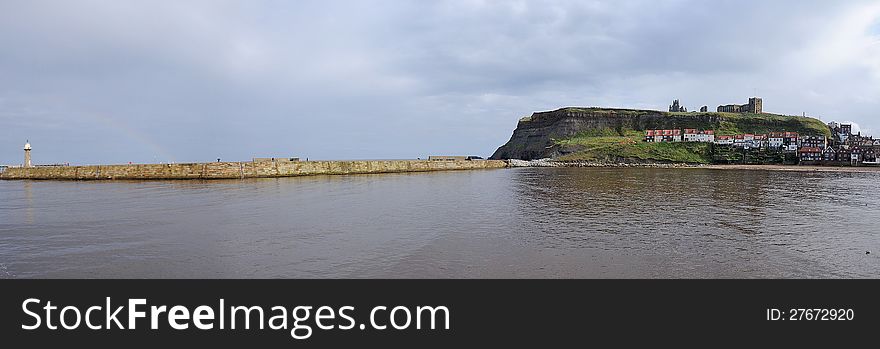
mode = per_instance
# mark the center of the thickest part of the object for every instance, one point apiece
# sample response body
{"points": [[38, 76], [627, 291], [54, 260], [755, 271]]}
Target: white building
{"points": [[724, 140], [708, 136], [776, 140], [658, 136], [790, 141], [759, 141], [692, 135]]}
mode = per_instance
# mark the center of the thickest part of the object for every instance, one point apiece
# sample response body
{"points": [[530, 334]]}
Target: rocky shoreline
{"points": [[554, 163], [798, 168]]}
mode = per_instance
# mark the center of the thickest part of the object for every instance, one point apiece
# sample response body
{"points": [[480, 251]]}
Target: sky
{"points": [[99, 82]]}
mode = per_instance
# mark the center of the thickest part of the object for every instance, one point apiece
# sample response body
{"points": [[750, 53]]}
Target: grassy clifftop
{"points": [[605, 146], [615, 144], [610, 133], [727, 123], [736, 123]]}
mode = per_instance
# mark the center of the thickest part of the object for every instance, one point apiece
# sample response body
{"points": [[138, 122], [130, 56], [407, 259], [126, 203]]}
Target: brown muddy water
{"points": [[509, 223]]}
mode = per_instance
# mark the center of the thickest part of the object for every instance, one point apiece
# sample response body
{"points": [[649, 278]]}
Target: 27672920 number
{"points": [[811, 314], [821, 314]]}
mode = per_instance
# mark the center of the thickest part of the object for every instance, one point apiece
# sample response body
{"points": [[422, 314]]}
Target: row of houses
{"points": [[788, 141], [677, 135], [809, 149], [839, 155], [784, 141], [843, 148], [846, 148]]}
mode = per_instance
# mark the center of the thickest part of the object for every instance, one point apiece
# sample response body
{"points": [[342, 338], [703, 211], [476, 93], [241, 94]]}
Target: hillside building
{"points": [[790, 141], [775, 140], [693, 135], [676, 107], [869, 155], [755, 106], [810, 154], [676, 135], [843, 132], [659, 136], [829, 155], [724, 140], [814, 142], [779, 141]]}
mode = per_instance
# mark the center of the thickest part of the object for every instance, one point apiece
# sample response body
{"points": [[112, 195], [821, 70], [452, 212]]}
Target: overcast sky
{"points": [[157, 81]]}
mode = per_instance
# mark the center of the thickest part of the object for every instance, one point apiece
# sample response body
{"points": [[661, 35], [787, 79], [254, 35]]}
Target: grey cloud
{"points": [[197, 80]]}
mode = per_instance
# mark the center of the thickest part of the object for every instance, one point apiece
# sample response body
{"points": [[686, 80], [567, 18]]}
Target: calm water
{"points": [[529, 222]]}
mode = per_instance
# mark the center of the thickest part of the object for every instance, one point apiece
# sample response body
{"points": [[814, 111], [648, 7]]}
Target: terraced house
{"points": [[781, 141], [659, 136], [724, 140], [676, 135], [749, 141], [814, 142], [694, 135], [810, 155]]}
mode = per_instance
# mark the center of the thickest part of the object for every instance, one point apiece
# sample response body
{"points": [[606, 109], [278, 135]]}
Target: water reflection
{"points": [[28, 202]]}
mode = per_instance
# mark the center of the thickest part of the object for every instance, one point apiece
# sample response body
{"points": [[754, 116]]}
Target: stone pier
{"points": [[232, 170]]}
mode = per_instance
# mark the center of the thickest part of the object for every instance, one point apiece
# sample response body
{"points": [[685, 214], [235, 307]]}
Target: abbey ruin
{"points": [[755, 106]]}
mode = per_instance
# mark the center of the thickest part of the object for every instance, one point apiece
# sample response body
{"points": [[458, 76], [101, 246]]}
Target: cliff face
{"points": [[536, 137]]}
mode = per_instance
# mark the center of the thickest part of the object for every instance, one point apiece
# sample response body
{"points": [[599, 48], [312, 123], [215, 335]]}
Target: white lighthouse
{"points": [[27, 154]]}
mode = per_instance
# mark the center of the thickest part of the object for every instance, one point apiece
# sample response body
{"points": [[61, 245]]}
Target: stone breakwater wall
{"points": [[232, 170]]}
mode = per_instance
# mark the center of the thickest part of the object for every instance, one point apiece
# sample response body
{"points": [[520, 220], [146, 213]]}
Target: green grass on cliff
{"points": [[608, 111], [739, 123], [729, 124], [626, 140], [631, 146]]}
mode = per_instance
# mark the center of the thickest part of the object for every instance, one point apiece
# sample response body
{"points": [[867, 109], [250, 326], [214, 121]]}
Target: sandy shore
{"points": [[797, 168]]}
